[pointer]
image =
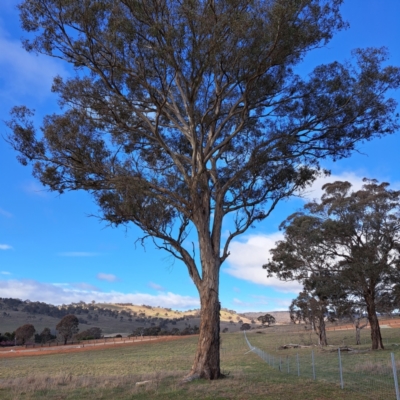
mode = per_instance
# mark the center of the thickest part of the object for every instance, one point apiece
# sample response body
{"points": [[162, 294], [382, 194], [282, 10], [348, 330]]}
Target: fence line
{"points": [[349, 372]]}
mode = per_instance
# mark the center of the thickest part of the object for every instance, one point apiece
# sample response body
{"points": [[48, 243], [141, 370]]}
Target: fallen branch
{"points": [[292, 346]]}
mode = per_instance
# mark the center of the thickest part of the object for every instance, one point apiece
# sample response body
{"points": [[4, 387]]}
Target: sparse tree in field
{"points": [[91, 333], [68, 327], [46, 335], [245, 327], [184, 114], [24, 333], [354, 236], [266, 319], [314, 311]]}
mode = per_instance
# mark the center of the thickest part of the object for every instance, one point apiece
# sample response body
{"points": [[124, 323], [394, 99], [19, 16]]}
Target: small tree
{"points": [[311, 310], [266, 319], [46, 335], [91, 333], [68, 327], [24, 333], [245, 327]]}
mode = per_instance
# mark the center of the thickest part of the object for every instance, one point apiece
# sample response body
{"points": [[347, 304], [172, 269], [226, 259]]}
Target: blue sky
{"points": [[51, 250]]}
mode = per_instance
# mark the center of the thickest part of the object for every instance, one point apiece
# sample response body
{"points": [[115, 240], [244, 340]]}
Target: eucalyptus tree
{"points": [[266, 319], [352, 235], [185, 113], [312, 310]]}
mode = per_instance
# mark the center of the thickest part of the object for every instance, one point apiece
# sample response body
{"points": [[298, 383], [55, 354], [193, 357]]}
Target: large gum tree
{"points": [[185, 113]]}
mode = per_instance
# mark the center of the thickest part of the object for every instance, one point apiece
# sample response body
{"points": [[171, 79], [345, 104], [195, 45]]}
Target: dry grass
{"points": [[113, 373]]}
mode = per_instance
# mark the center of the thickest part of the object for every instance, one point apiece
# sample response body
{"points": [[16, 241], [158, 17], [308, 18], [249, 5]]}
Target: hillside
{"points": [[111, 318], [281, 317]]}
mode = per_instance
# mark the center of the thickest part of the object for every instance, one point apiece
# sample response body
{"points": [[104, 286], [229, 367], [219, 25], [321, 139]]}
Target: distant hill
{"points": [[114, 318], [281, 317]]}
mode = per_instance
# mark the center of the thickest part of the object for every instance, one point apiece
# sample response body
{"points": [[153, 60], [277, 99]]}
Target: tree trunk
{"points": [[323, 341], [358, 335], [206, 363], [376, 337], [207, 359]]}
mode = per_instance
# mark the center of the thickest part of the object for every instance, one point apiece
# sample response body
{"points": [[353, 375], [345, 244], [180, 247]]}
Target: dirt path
{"points": [[75, 348]]}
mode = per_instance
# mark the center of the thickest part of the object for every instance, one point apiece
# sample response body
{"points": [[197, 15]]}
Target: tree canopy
{"points": [[182, 114], [68, 327], [351, 237], [24, 333], [266, 319]]}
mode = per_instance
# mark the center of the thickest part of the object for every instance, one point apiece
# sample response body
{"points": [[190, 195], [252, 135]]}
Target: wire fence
{"points": [[375, 376]]}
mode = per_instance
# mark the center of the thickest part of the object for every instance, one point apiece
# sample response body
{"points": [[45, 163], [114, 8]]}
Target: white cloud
{"points": [[5, 247], [315, 190], [78, 254], [5, 213], [246, 260], [5, 273], [69, 293], [156, 286], [106, 277]]}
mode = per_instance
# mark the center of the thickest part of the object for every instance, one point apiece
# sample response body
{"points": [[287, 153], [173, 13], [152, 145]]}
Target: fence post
{"points": [[288, 364], [313, 363], [396, 384], [341, 371], [298, 364]]}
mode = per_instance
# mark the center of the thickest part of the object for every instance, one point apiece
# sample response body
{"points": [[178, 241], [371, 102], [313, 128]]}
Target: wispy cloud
{"points": [[78, 254], [24, 73], [247, 257], [251, 304], [5, 247], [68, 293], [5, 213], [106, 277], [156, 286], [5, 273], [34, 189], [261, 302], [84, 286]]}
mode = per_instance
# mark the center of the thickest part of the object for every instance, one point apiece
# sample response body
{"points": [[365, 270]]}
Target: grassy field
{"points": [[113, 373]]}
